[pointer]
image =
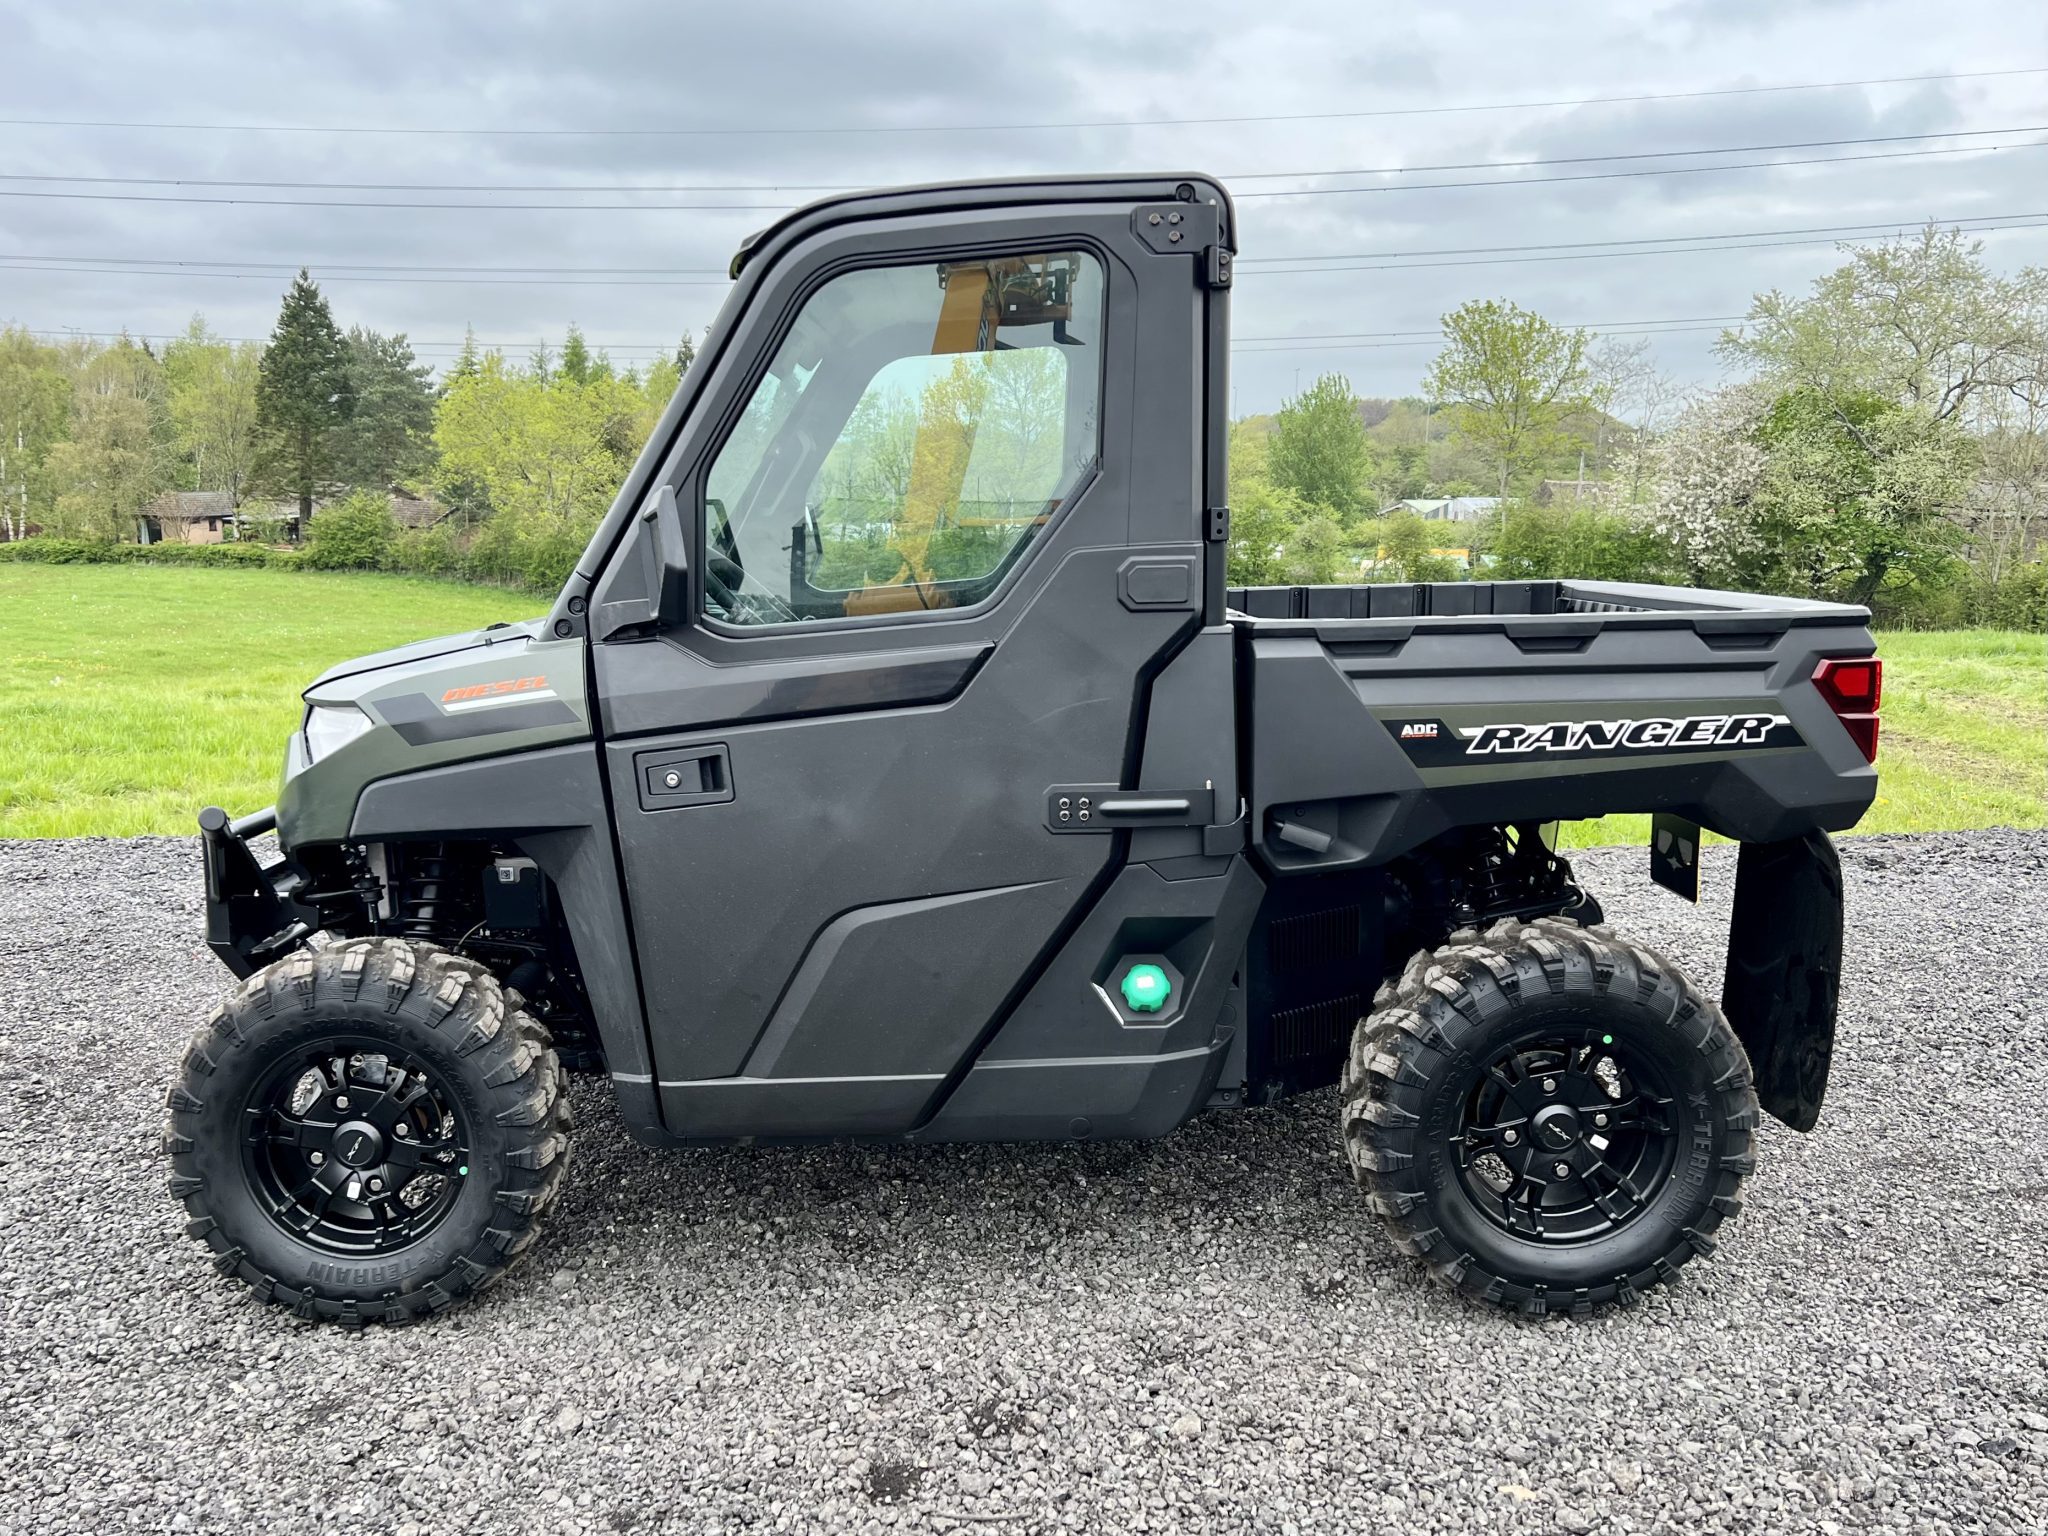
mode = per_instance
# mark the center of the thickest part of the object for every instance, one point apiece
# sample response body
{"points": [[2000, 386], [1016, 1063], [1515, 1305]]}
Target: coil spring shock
{"points": [[430, 902]]}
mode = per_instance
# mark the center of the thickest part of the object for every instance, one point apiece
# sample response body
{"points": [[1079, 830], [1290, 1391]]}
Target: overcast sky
{"points": [[827, 72]]}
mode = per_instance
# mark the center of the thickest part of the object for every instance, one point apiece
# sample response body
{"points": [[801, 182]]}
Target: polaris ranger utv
{"points": [[898, 764]]}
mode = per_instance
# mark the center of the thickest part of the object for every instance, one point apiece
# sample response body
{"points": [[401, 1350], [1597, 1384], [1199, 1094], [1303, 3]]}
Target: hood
{"points": [[426, 650]]}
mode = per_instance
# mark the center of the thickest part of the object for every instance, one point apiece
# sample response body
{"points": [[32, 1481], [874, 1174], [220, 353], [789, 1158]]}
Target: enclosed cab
{"points": [[898, 764]]}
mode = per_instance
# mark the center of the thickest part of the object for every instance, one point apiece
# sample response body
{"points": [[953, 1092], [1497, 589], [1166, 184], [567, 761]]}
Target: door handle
{"points": [[1108, 808], [683, 776]]}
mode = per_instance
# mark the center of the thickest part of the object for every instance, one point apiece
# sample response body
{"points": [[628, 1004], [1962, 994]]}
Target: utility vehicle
{"points": [[899, 764]]}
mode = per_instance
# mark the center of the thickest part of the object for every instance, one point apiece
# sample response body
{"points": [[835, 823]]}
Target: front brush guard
{"points": [[250, 915]]}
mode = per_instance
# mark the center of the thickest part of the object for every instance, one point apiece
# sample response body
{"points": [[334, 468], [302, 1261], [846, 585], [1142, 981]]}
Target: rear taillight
{"points": [[1853, 689]]}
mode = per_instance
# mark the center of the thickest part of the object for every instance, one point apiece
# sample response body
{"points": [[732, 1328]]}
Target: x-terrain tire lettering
{"points": [[372, 1130], [1549, 1117]]}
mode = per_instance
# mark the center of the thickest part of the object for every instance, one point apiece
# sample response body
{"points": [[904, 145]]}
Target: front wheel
{"points": [[368, 1131], [1550, 1118]]}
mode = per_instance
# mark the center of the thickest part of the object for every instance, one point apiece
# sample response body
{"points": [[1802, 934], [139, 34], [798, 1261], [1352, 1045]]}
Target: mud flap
{"points": [[1784, 970]]}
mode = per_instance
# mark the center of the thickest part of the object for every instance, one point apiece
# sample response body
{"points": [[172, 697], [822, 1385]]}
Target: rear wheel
{"points": [[1548, 1117], [371, 1130]]}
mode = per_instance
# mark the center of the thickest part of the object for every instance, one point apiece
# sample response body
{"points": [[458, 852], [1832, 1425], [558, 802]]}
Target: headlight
{"points": [[330, 727]]}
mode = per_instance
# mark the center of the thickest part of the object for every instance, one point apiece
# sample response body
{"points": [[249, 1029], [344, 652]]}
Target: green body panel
{"points": [[429, 705]]}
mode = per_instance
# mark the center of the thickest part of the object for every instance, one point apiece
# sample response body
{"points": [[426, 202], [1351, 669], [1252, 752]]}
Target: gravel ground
{"points": [[1201, 1334]]}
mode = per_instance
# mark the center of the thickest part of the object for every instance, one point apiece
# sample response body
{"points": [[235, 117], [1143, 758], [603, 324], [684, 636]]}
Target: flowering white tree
{"points": [[1707, 474]]}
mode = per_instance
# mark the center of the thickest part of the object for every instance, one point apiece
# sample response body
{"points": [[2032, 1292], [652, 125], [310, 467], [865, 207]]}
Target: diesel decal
{"points": [[1434, 744], [422, 720], [483, 695]]}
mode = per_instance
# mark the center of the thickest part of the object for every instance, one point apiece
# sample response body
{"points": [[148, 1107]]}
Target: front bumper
{"points": [[251, 917]]}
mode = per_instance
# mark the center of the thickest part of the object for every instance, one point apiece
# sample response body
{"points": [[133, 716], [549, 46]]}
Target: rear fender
{"points": [[1784, 970]]}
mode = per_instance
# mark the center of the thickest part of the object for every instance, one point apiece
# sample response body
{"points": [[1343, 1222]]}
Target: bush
{"points": [[435, 551], [357, 533], [1961, 597], [1574, 543], [45, 551]]}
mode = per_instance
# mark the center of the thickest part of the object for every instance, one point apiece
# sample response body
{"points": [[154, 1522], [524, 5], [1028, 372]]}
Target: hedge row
{"points": [[87, 552]]}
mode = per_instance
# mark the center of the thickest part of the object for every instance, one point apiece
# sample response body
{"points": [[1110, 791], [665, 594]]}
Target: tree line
{"points": [[1881, 438], [518, 459]]}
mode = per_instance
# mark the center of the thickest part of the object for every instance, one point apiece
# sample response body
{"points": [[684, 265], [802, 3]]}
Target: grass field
{"points": [[133, 695], [1964, 741]]}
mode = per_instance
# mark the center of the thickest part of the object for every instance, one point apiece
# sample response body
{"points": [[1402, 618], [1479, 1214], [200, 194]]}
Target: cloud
{"points": [[943, 74]]}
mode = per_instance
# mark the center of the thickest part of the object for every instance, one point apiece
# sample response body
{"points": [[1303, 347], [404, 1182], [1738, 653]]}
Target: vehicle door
{"points": [[943, 503]]}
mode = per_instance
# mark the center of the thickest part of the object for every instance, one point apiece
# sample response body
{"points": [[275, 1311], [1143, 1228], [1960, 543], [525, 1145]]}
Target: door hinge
{"points": [[1217, 261], [1218, 528]]}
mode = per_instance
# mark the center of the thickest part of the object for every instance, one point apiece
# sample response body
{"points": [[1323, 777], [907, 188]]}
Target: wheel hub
{"points": [[1557, 1127], [358, 1144], [354, 1148], [1565, 1136]]}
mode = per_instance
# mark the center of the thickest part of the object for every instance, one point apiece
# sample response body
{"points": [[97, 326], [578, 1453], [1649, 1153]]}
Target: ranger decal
{"points": [[1431, 743]]}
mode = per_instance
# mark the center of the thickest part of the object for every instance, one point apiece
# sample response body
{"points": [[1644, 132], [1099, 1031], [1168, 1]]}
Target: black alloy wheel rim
{"points": [[354, 1147], [1566, 1135]]}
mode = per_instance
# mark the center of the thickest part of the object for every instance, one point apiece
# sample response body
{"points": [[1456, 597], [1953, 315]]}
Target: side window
{"points": [[916, 429]]}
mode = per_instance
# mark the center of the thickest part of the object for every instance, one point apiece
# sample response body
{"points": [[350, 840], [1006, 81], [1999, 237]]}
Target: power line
{"points": [[1570, 325], [766, 208], [1688, 250], [663, 347], [1579, 245], [288, 267], [779, 130], [1437, 340], [592, 188], [1658, 170], [1250, 266], [8, 265]]}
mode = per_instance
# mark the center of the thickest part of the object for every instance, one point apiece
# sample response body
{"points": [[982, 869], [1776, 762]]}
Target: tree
{"points": [[685, 354], [304, 394], [579, 364], [470, 359], [35, 406], [1920, 321], [536, 461], [1859, 490], [1708, 474], [118, 456], [576, 365], [388, 438], [1892, 380], [356, 533], [1512, 381], [1319, 449], [211, 390]]}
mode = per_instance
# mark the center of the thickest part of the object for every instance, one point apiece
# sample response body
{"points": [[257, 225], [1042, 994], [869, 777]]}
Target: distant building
{"points": [[1573, 493], [187, 517], [1447, 509], [413, 511]]}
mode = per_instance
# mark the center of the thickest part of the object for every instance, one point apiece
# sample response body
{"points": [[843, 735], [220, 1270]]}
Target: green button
{"points": [[1146, 988]]}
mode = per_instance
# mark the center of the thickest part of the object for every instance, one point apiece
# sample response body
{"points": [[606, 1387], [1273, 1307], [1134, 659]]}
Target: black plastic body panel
{"points": [[1331, 698], [1785, 971], [1069, 1062], [826, 952], [551, 804]]}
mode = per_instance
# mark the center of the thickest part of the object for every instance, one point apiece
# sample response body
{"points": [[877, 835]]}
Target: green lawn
{"points": [[1964, 741], [135, 694]]}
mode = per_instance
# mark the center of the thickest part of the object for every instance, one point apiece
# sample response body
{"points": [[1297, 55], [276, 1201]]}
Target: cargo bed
{"points": [[1516, 599], [1381, 715]]}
